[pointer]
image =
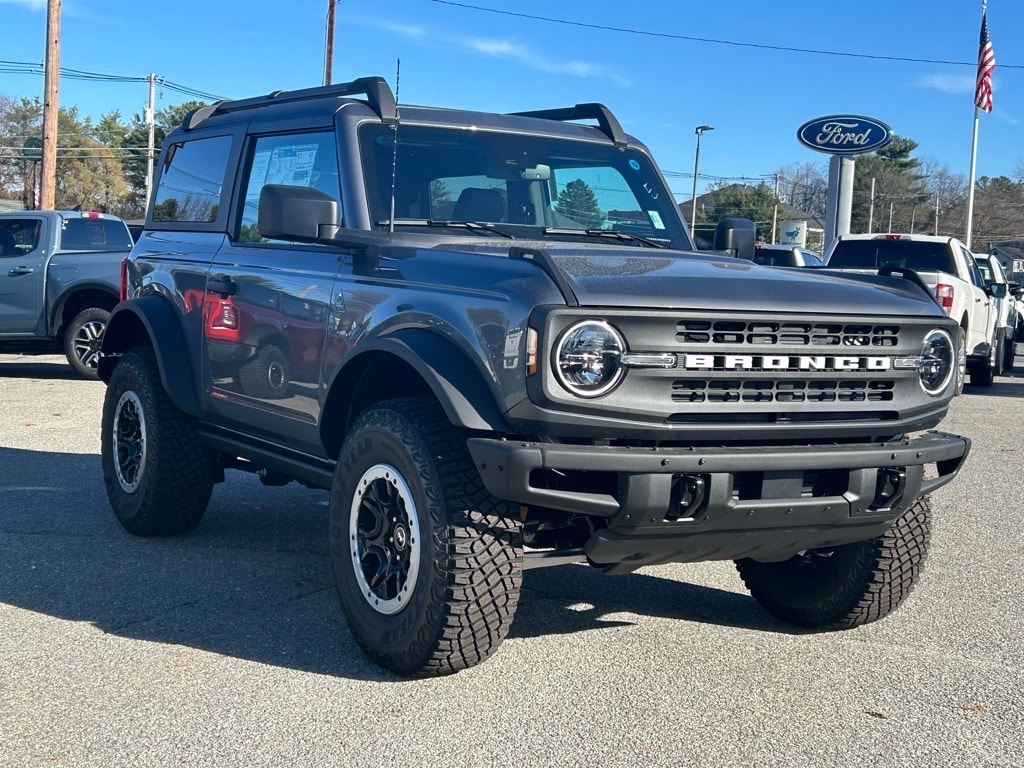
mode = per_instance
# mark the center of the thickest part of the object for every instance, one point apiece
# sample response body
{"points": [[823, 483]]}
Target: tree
{"points": [[19, 120], [578, 201], [804, 186], [738, 200], [136, 145], [899, 189]]}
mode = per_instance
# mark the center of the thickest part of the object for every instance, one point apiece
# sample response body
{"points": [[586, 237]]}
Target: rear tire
{"points": [[427, 563], [848, 585], [266, 375], [158, 475], [83, 340]]}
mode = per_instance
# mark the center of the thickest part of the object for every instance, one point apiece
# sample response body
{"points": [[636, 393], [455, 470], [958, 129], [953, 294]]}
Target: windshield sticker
{"points": [[634, 165], [655, 218]]}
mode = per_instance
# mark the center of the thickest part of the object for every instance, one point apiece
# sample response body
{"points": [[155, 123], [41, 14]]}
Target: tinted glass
{"points": [[909, 254], [192, 180], [95, 235], [18, 236]]}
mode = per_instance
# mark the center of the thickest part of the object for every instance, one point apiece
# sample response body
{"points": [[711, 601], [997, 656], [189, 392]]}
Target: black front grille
{"points": [[769, 390], [759, 333]]}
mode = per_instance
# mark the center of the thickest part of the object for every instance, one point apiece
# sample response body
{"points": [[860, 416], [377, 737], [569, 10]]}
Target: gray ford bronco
{"points": [[489, 337]]}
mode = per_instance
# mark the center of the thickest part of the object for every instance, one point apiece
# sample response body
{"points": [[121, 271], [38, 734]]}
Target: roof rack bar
{"points": [[376, 90], [592, 111]]}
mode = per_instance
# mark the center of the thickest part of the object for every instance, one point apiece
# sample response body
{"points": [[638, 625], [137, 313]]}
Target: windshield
{"points": [[526, 186]]}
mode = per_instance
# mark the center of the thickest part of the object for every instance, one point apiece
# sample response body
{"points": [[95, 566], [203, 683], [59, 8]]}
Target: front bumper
{"points": [[688, 504]]}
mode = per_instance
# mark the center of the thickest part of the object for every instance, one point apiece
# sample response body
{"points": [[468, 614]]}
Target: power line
{"points": [[715, 41], [31, 68]]}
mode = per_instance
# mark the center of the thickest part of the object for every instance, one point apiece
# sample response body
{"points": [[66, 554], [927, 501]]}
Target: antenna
{"points": [[394, 150]]}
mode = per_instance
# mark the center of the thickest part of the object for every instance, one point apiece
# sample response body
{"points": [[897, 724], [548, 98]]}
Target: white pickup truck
{"points": [[949, 270]]}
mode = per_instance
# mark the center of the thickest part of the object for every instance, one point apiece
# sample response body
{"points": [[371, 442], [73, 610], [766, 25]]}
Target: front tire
{"points": [[158, 475], [83, 340], [1010, 351], [428, 565], [845, 586]]}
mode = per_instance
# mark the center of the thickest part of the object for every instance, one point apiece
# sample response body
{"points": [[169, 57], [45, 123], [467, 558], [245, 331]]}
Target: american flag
{"points": [[986, 63]]}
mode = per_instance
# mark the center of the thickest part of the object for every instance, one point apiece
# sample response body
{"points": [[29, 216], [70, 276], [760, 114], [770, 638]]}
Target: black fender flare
{"points": [[154, 321], [456, 383]]}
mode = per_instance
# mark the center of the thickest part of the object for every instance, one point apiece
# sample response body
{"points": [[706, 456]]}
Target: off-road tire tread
{"points": [[884, 573], [180, 472], [480, 536]]}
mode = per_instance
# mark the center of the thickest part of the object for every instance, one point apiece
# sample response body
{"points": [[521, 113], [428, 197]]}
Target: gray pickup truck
{"points": [[60, 275]]}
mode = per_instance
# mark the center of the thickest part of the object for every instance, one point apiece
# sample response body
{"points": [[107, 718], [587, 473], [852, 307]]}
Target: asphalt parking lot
{"points": [[228, 648]]}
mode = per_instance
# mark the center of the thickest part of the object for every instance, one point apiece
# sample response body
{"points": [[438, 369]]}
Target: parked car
{"points": [[948, 269], [785, 256], [1008, 308], [489, 337], [60, 273]]}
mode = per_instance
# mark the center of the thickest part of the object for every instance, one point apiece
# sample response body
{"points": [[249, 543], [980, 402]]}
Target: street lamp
{"points": [[696, 165]]}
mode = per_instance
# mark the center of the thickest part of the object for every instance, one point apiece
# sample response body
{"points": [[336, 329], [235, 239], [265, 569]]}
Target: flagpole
{"points": [[970, 183], [968, 229]]}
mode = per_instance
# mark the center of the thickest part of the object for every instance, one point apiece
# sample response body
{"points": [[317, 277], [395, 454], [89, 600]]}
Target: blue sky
{"points": [[652, 73]]}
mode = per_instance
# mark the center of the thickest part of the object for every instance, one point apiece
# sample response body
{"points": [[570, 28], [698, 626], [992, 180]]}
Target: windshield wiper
{"points": [[615, 234], [472, 226]]}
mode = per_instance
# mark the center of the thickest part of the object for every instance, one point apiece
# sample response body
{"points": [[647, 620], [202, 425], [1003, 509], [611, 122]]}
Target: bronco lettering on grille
{"points": [[785, 363]]}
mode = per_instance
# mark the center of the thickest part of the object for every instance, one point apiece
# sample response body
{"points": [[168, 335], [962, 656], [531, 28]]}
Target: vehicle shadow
{"points": [[1004, 386], [36, 369], [253, 581]]}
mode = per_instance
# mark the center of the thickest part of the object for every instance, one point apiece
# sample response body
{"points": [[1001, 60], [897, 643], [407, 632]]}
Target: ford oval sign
{"points": [[844, 134]]}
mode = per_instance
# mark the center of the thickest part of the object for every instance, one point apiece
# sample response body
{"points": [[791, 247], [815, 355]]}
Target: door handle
{"points": [[20, 271], [222, 285]]}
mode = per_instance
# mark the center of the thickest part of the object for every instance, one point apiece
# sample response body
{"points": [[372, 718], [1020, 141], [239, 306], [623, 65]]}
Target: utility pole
{"points": [[329, 50], [775, 212], [871, 207], [151, 146], [48, 175]]}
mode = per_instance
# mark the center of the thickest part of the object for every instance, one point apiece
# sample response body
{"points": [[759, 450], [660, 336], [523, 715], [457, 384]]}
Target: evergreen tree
{"points": [[578, 201]]}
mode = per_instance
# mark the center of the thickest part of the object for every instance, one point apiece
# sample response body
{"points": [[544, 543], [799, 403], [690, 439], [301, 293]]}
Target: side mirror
{"points": [[737, 236], [997, 290], [301, 214]]}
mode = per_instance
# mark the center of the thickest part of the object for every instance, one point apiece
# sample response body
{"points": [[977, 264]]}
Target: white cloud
{"points": [[956, 84], [406, 30], [535, 60]]}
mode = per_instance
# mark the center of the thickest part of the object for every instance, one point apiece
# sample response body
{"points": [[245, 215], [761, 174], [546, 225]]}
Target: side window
{"points": [[18, 237], [297, 159], [192, 180], [94, 235], [976, 277]]}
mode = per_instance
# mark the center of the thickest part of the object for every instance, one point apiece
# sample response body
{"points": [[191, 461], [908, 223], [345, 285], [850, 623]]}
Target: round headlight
{"points": [[938, 362], [587, 358]]}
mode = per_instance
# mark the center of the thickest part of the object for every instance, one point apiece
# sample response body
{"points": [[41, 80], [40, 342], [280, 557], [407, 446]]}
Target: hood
{"points": [[648, 278]]}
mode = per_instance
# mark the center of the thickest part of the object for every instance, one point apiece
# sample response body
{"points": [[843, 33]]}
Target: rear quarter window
{"points": [[192, 180]]}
